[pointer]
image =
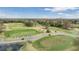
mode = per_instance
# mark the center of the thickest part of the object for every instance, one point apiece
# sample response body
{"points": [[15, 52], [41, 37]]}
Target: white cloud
{"points": [[69, 15], [61, 12], [7, 15], [63, 8], [59, 9]]}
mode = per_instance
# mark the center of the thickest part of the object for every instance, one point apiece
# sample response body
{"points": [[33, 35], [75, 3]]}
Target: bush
{"points": [[47, 31]]}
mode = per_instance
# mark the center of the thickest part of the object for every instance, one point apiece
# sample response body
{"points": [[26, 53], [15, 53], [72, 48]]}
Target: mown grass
{"points": [[52, 43], [20, 32]]}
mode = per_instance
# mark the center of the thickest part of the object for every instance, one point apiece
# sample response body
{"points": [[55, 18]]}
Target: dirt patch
{"points": [[29, 47]]}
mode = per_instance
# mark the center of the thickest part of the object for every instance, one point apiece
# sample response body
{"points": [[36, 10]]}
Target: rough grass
{"points": [[15, 26], [51, 43], [27, 47], [71, 31]]}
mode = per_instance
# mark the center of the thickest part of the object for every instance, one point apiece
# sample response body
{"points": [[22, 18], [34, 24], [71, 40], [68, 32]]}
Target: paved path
{"points": [[36, 37], [15, 46], [30, 38], [62, 33]]}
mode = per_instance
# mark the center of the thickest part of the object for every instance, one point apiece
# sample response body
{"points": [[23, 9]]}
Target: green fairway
{"points": [[20, 32], [50, 43]]}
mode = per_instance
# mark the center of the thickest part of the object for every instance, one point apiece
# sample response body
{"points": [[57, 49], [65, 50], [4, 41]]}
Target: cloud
{"points": [[55, 12], [7, 15], [59, 9], [61, 12]]}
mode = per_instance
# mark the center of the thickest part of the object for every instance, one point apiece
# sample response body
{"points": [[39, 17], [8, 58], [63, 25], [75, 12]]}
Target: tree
{"points": [[56, 23], [28, 23], [75, 21], [67, 25]]}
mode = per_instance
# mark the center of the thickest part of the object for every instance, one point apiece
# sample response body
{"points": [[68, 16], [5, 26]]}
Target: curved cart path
{"points": [[35, 37]]}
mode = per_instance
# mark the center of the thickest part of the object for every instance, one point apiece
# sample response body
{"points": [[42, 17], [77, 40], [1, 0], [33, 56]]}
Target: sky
{"points": [[39, 12]]}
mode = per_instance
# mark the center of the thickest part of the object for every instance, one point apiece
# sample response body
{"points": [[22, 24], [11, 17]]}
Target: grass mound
{"points": [[50, 43]]}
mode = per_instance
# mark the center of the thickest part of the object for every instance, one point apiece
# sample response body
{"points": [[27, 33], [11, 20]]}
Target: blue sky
{"points": [[39, 12]]}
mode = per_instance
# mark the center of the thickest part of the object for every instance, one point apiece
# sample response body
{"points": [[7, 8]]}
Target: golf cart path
{"points": [[35, 37], [29, 38]]}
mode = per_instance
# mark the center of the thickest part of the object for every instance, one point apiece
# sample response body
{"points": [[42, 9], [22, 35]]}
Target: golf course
{"points": [[39, 36]]}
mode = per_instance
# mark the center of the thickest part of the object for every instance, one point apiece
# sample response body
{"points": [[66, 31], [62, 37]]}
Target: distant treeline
{"points": [[6, 20], [61, 23]]}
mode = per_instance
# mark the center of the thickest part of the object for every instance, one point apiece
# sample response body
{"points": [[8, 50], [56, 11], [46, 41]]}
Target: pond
{"points": [[10, 47]]}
